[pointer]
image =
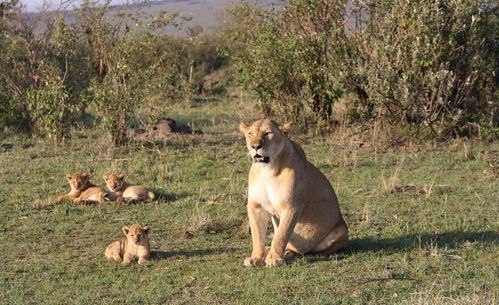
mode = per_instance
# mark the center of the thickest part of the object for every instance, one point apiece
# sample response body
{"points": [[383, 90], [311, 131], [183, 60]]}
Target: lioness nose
{"points": [[256, 146]]}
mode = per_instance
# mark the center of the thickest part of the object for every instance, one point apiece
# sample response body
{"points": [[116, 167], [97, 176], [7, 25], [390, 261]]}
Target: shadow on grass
{"points": [[407, 243], [5, 147], [163, 196], [159, 254], [412, 241]]}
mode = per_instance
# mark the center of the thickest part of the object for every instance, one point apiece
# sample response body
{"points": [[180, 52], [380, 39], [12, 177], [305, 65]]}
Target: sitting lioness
{"points": [[300, 199], [124, 192], [82, 190]]}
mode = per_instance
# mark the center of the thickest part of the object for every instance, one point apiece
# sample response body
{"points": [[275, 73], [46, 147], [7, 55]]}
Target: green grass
{"points": [[423, 222]]}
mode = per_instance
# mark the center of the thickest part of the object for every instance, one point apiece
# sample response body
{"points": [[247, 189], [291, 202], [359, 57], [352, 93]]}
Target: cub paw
{"points": [[274, 260], [252, 261]]}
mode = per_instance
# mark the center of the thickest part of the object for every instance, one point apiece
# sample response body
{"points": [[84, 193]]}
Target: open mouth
{"points": [[260, 159]]}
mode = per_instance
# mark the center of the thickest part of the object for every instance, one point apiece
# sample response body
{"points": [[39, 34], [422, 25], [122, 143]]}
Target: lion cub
{"points": [[124, 192], [82, 190], [135, 245]]}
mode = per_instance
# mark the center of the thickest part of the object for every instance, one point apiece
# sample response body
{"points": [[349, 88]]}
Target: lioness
{"points": [[124, 192], [300, 199], [135, 245], [82, 190]]}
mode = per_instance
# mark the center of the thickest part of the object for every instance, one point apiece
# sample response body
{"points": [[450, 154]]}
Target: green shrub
{"points": [[44, 77], [291, 57], [429, 64]]}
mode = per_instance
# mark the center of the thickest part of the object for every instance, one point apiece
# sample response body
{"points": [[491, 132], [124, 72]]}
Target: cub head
{"points": [[136, 234], [265, 140], [78, 181], [114, 182]]}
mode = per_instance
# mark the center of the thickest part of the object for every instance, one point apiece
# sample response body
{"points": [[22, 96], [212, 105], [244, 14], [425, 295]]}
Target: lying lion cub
{"points": [[283, 184], [82, 190], [124, 192], [135, 245]]}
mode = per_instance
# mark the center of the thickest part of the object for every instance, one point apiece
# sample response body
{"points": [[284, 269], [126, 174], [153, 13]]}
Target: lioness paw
{"points": [[252, 262], [273, 260]]}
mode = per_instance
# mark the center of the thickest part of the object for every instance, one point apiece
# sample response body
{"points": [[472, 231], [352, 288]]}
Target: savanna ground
{"points": [[423, 221]]}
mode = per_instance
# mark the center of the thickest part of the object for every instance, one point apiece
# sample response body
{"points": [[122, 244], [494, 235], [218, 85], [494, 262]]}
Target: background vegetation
{"points": [[426, 70], [359, 78]]}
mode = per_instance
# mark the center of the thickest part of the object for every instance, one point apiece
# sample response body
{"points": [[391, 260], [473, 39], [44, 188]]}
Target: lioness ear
{"points": [[125, 230], [243, 127], [286, 127], [121, 176], [146, 230], [68, 176], [104, 177], [85, 175]]}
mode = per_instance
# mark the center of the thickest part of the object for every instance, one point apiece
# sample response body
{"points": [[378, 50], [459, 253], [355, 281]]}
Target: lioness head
{"points": [[265, 140], [136, 234], [78, 181], [114, 182]]}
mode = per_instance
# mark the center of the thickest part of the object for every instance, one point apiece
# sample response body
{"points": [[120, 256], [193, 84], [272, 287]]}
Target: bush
{"points": [[51, 68], [43, 76], [291, 57], [429, 64]]}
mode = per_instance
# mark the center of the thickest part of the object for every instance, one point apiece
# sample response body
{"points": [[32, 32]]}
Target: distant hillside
{"points": [[205, 13]]}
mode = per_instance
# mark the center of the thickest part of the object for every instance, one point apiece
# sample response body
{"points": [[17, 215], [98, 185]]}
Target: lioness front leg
{"points": [[287, 223], [258, 220]]}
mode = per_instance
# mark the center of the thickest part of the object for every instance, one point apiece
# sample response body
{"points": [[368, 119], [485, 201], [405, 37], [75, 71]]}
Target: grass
{"points": [[423, 221]]}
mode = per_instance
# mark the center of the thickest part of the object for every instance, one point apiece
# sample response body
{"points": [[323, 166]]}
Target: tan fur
{"points": [[124, 192], [134, 245], [300, 199], [82, 190]]}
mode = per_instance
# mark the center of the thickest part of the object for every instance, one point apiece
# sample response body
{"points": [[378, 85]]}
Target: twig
{"points": [[386, 279], [109, 159]]}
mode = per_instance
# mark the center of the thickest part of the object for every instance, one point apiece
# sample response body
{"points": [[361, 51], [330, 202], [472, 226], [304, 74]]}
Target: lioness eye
{"points": [[250, 133]]}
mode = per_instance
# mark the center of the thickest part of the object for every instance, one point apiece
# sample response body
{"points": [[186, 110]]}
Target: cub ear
{"points": [[105, 177], [121, 176], [243, 127], [286, 127], [146, 230], [125, 230], [68, 176], [85, 175]]}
